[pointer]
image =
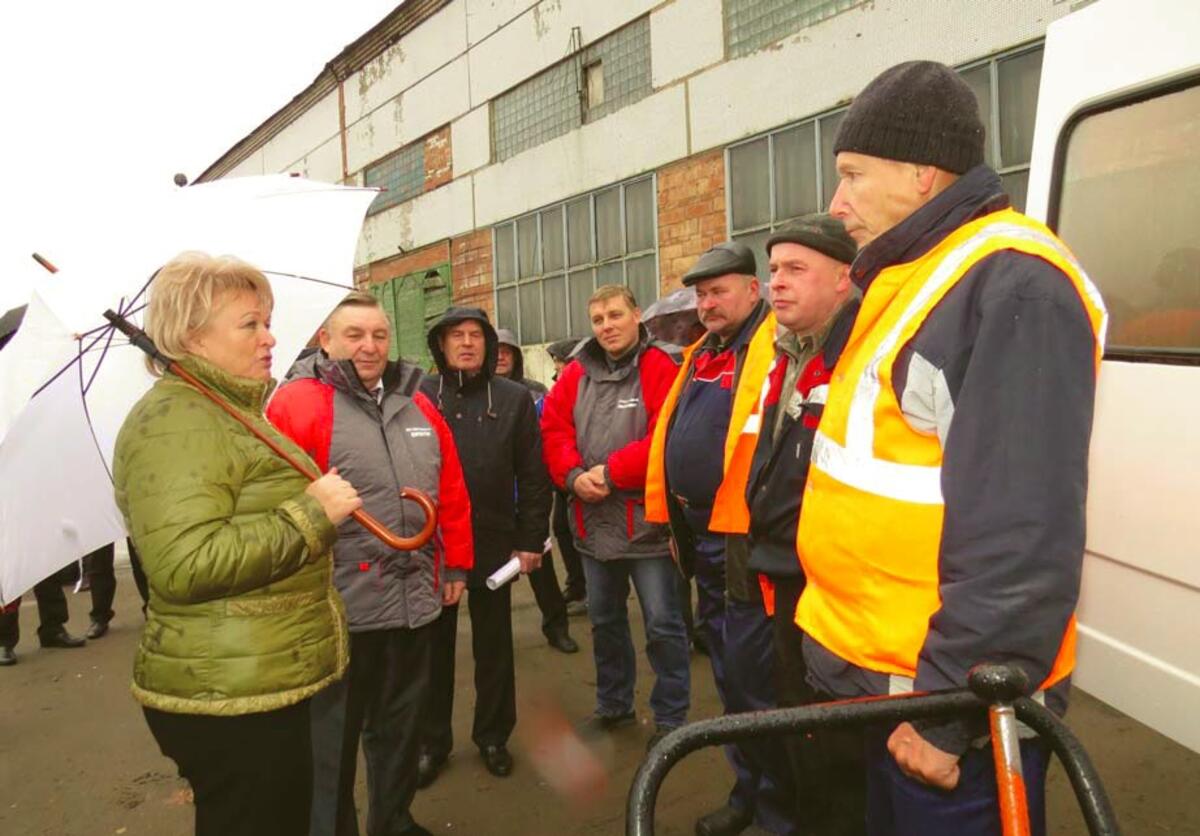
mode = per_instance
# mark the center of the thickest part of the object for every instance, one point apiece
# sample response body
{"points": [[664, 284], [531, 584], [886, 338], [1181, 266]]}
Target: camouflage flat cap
{"points": [[819, 231]]}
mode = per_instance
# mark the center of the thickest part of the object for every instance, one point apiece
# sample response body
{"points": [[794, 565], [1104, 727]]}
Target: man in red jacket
{"points": [[596, 428], [349, 407]]}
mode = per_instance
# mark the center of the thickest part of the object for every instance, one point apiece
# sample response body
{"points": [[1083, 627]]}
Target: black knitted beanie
{"points": [[916, 112]]}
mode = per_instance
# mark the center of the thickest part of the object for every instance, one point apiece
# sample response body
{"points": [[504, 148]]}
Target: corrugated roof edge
{"points": [[396, 25]]}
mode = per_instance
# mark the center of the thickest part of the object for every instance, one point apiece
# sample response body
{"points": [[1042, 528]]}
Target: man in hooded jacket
{"points": [[544, 581], [496, 430]]}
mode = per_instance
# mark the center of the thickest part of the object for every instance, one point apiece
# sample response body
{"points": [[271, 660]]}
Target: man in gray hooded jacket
{"points": [[350, 408]]}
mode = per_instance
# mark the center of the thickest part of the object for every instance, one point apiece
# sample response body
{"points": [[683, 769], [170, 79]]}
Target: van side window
{"points": [[1130, 209]]}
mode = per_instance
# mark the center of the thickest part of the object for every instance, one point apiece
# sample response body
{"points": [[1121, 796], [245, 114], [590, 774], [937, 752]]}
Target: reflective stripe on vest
{"points": [[871, 521]]}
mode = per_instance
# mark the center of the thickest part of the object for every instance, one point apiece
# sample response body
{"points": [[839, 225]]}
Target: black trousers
{"points": [[560, 526], [380, 698], [829, 768], [251, 774], [549, 597], [52, 613], [99, 568], [495, 677]]}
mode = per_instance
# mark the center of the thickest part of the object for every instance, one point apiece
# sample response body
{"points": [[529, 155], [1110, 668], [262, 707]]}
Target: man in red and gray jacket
{"points": [[596, 428], [350, 408]]}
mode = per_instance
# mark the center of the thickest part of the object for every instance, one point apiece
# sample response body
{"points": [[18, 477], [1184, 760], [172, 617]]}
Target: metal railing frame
{"points": [[987, 691]]}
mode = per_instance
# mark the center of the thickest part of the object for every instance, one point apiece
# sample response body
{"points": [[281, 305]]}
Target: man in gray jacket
{"points": [[596, 428], [350, 408]]}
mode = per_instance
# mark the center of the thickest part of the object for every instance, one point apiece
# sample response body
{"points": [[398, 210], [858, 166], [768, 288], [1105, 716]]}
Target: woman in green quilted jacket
{"points": [[244, 624]]}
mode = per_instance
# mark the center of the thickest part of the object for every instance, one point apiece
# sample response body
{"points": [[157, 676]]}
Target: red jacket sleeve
{"points": [[559, 448], [454, 504], [303, 411], [627, 466]]}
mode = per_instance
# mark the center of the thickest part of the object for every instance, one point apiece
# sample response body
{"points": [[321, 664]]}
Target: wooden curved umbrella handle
{"points": [[392, 540]]}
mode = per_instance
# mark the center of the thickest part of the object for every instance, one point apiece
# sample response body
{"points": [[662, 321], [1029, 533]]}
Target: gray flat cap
{"points": [[729, 257]]}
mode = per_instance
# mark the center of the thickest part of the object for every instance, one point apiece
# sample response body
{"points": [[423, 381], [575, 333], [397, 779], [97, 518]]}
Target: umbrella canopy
{"points": [[10, 322], [67, 379]]}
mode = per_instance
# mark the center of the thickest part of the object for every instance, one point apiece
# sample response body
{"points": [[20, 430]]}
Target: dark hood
{"points": [[453, 316], [508, 338]]}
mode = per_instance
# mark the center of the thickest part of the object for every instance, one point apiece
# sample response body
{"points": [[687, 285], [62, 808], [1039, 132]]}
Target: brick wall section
{"points": [[471, 269], [438, 164], [433, 255], [691, 213]]}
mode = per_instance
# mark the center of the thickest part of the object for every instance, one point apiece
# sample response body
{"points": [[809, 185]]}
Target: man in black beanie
{"points": [[943, 518]]}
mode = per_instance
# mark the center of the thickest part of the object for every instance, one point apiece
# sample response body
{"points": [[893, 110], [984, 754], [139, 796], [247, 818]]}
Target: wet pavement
{"points": [[77, 759]]}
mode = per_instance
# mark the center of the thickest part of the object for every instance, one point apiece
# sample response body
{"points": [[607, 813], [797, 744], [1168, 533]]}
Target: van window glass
{"points": [[1128, 208]]}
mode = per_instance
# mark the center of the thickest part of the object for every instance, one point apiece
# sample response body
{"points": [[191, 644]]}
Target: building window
{"points": [[791, 172], [596, 81], [1007, 89], [401, 175], [1127, 208], [753, 24], [549, 262], [778, 177]]}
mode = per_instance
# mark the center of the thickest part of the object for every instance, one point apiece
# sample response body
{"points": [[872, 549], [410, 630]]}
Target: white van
{"points": [[1116, 172]]}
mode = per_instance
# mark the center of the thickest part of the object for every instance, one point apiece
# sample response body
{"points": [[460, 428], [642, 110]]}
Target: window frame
{"points": [[992, 129], [1136, 95], [773, 222], [372, 210], [566, 270]]}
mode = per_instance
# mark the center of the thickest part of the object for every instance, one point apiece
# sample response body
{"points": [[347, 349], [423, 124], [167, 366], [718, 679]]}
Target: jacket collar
{"points": [[242, 392], [976, 193], [592, 357]]}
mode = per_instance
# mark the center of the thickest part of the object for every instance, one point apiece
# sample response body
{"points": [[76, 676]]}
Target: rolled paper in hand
{"points": [[504, 574]]}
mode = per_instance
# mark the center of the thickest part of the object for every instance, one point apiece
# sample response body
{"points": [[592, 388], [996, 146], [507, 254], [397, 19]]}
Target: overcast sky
{"points": [[104, 102]]}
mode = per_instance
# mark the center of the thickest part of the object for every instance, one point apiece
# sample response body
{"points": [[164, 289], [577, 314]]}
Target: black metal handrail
{"points": [[1085, 781]]}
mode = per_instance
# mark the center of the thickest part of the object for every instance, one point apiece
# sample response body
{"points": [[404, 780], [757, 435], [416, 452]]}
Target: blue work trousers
{"points": [[899, 806], [655, 579]]}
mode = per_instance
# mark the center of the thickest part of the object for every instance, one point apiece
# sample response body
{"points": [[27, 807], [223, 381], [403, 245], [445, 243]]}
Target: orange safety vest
{"points": [[730, 514], [871, 521]]}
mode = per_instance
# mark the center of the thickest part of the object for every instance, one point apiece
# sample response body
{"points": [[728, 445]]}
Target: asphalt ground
{"points": [[76, 757]]}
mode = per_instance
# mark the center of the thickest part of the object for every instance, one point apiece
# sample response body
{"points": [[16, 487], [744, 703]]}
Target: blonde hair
{"points": [[187, 290], [612, 291]]}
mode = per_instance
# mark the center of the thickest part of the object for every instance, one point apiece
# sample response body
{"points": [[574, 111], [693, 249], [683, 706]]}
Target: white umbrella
{"points": [[67, 380]]}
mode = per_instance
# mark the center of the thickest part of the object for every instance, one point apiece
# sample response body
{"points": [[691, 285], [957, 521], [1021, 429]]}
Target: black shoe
{"points": [[659, 733], [598, 723], [97, 629], [7, 657], [415, 829], [562, 641], [62, 638], [497, 760], [428, 767], [726, 821]]}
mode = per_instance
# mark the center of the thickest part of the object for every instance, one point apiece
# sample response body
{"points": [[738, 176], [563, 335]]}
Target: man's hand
{"points": [[530, 561], [589, 488], [921, 760], [451, 592]]}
